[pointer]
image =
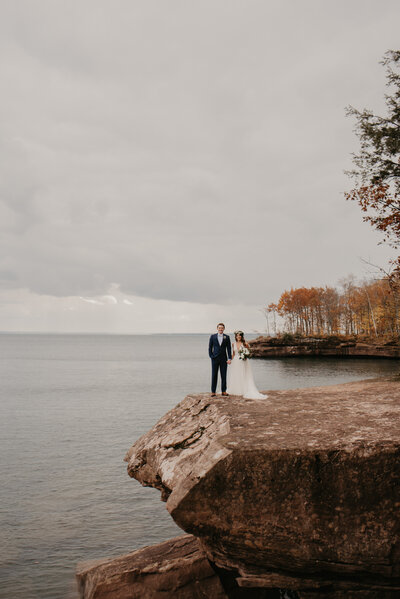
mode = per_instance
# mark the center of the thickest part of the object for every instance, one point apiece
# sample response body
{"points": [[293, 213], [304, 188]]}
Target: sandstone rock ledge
{"points": [[267, 347], [176, 568], [299, 491]]}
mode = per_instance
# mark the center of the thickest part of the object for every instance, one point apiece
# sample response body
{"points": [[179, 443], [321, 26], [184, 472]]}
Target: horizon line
{"points": [[111, 333]]}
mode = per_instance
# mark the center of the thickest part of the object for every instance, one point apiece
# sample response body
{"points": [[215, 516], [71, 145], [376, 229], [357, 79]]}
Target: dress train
{"points": [[241, 380]]}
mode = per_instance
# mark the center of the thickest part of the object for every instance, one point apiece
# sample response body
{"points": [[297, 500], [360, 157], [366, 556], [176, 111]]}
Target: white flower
{"points": [[244, 353]]}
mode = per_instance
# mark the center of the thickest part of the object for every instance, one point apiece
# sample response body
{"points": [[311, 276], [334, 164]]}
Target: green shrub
{"points": [[288, 339]]}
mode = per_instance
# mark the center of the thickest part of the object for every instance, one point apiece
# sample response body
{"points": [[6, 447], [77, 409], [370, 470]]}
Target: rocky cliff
{"points": [[300, 491], [288, 346]]}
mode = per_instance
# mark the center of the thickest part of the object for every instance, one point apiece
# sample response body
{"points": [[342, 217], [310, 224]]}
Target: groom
{"points": [[219, 350]]}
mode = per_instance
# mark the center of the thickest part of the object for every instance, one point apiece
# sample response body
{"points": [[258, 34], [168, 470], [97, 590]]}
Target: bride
{"points": [[240, 374]]}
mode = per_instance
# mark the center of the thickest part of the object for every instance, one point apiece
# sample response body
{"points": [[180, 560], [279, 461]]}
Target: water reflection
{"points": [[290, 373]]}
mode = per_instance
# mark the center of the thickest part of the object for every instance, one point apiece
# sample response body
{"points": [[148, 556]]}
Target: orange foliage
{"points": [[381, 206], [371, 308]]}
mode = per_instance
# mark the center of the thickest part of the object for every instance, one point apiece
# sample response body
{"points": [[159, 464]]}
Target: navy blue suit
{"points": [[219, 355]]}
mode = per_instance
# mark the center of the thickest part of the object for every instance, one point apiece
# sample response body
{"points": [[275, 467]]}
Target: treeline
{"points": [[370, 309]]}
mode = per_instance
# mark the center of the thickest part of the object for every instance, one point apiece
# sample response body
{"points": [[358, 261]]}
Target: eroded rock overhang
{"points": [[304, 485]]}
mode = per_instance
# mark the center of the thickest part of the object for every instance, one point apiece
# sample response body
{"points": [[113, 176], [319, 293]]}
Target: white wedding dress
{"points": [[240, 378]]}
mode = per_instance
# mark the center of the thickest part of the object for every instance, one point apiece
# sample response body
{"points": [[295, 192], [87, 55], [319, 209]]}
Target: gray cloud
{"points": [[185, 151]]}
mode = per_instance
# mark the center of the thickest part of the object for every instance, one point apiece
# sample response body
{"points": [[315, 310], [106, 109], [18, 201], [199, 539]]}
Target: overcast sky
{"points": [[167, 165]]}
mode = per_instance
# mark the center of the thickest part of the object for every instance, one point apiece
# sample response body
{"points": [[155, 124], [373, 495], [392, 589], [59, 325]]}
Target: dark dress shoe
{"points": [[213, 394], [224, 393]]}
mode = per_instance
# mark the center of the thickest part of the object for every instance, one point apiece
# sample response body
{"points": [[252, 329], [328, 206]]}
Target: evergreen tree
{"points": [[377, 165]]}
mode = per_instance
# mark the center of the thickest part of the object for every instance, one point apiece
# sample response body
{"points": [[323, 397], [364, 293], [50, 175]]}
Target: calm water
{"points": [[70, 407]]}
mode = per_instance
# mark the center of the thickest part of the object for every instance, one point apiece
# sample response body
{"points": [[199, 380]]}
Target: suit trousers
{"points": [[218, 364]]}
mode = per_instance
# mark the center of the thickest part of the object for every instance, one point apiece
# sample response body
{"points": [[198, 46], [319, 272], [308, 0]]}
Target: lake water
{"points": [[70, 407]]}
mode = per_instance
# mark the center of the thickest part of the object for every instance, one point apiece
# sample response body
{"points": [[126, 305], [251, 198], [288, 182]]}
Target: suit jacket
{"points": [[217, 351]]}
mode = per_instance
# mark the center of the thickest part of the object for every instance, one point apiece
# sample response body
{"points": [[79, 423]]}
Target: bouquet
{"points": [[244, 353]]}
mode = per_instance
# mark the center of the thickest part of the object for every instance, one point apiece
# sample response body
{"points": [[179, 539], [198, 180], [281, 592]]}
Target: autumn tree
{"points": [[377, 165], [367, 309]]}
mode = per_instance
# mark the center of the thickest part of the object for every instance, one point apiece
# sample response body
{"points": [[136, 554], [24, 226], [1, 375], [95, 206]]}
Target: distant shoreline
{"points": [[288, 346]]}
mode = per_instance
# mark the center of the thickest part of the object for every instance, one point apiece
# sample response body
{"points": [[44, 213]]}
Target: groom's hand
{"points": [[229, 361]]}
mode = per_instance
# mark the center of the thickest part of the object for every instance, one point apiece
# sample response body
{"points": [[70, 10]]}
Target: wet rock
{"points": [[298, 491]]}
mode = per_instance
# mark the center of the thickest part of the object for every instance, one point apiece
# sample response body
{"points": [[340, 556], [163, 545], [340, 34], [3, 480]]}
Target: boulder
{"points": [[298, 491], [176, 569]]}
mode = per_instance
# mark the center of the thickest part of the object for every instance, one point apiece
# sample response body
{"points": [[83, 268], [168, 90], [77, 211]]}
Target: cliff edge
{"points": [[299, 491]]}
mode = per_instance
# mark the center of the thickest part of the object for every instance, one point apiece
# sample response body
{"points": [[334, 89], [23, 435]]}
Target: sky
{"points": [[168, 165]]}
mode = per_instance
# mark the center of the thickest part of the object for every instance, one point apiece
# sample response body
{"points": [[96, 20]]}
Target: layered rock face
{"points": [[176, 568], [299, 491], [264, 347]]}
